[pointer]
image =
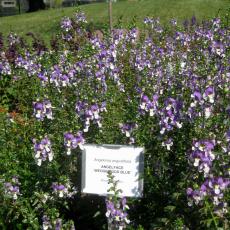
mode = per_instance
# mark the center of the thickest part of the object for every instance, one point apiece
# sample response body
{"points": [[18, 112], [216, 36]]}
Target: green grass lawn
{"points": [[45, 23]]}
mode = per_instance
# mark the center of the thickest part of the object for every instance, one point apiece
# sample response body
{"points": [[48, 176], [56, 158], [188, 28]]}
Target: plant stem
{"points": [[213, 217]]}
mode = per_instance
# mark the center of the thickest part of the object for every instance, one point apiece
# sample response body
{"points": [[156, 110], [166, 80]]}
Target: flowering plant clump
{"points": [[165, 88], [212, 189]]}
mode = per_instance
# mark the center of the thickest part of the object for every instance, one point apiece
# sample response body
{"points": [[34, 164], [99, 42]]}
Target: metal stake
{"points": [[19, 6], [110, 16]]}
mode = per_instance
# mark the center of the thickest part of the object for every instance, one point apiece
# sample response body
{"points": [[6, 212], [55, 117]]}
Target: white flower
{"points": [[182, 64], [81, 146], [179, 125], [196, 162], [37, 155], [39, 162], [207, 112], [151, 113], [127, 134], [50, 156], [68, 151], [217, 189]]}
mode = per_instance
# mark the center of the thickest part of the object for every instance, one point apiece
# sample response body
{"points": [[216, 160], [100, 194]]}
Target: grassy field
{"points": [[45, 23]]}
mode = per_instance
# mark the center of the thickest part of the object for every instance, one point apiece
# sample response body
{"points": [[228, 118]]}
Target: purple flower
{"points": [[127, 129], [46, 223], [197, 98], [173, 22], [59, 78], [168, 143], [170, 116], [117, 213], [202, 155], [72, 141], [218, 49], [42, 150], [63, 189], [216, 22], [212, 188], [12, 188], [59, 189], [43, 77], [5, 68], [64, 80], [209, 94], [43, 109], [66, 24], [13, 39], [38, 110], [58, 224], [80, 17], [147, 105], [132, 35]]}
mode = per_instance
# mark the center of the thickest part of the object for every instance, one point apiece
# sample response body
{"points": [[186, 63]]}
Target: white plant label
{"points": [[125, 163]]}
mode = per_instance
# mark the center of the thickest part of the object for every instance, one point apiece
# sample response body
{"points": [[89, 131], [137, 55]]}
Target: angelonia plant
{"points": [[163, 87], [116, 206]]}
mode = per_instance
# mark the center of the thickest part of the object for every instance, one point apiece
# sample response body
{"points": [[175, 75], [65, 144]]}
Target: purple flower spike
{"points": [[42, 151], [202, 155], [90, 113], [117, 213]]}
